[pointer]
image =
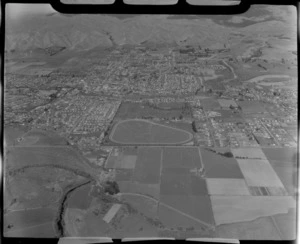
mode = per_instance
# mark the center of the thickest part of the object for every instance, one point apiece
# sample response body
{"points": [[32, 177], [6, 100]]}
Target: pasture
{"points": [[198, 207], [251, 107], [131, 110], [29, 223], [179, 181], [62, 157], [80, 198], [42, 137], [281, 155], [144, 205], [148, 163], [151, 190], [262, 228], [187, 157], [11, 133]]}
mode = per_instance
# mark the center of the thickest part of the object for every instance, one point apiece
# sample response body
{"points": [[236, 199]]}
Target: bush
{"points": [[111, 187], [228, 154]]}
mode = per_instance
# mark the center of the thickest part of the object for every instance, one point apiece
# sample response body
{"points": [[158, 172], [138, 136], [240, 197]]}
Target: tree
{"points": [[228, 154], [194, 127], [111, 187]]}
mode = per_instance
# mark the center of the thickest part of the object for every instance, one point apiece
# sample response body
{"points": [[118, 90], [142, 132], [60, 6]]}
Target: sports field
{"points": [[138, 132]]}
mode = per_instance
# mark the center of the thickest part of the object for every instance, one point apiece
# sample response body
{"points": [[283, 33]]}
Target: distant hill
{"points": [[56, 32]]}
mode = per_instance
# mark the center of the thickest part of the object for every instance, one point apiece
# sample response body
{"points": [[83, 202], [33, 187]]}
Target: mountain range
{"points": [[84, 32]]}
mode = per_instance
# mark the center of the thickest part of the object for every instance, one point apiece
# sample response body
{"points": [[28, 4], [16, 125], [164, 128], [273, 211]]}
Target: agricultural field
{"points": [[259, 173], [217, 165], [248, 153], [227, 187], [284, 162], [281, 154], [141, 132], [165, 177]]}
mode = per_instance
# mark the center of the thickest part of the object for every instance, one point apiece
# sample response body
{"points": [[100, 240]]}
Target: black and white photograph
{"points": [[150, 125]]}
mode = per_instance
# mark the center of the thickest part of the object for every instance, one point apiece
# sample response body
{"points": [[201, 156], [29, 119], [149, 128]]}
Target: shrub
{"points": [[111, 187]]}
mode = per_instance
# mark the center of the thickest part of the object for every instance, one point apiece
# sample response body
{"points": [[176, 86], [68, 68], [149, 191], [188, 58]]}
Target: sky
{"points": [[16, 11]]}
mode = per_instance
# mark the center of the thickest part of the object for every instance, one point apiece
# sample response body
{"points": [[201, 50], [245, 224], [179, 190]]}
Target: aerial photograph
{"points": [[140, 126]]}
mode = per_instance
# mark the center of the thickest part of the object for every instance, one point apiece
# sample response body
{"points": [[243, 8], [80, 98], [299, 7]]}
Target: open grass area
{"points": [[144, 205], [12, 133], [210, 103], [42, 137], [62, 157], [262, 228], [131, 110], [251, 107], [80, 198], [151, 190]]}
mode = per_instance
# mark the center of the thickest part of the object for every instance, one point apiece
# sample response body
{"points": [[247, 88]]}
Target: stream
{"points": [[61, 209]]}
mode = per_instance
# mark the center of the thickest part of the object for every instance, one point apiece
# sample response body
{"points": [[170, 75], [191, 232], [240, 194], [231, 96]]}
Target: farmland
{"points": [[151, 126], [218, 166]]}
